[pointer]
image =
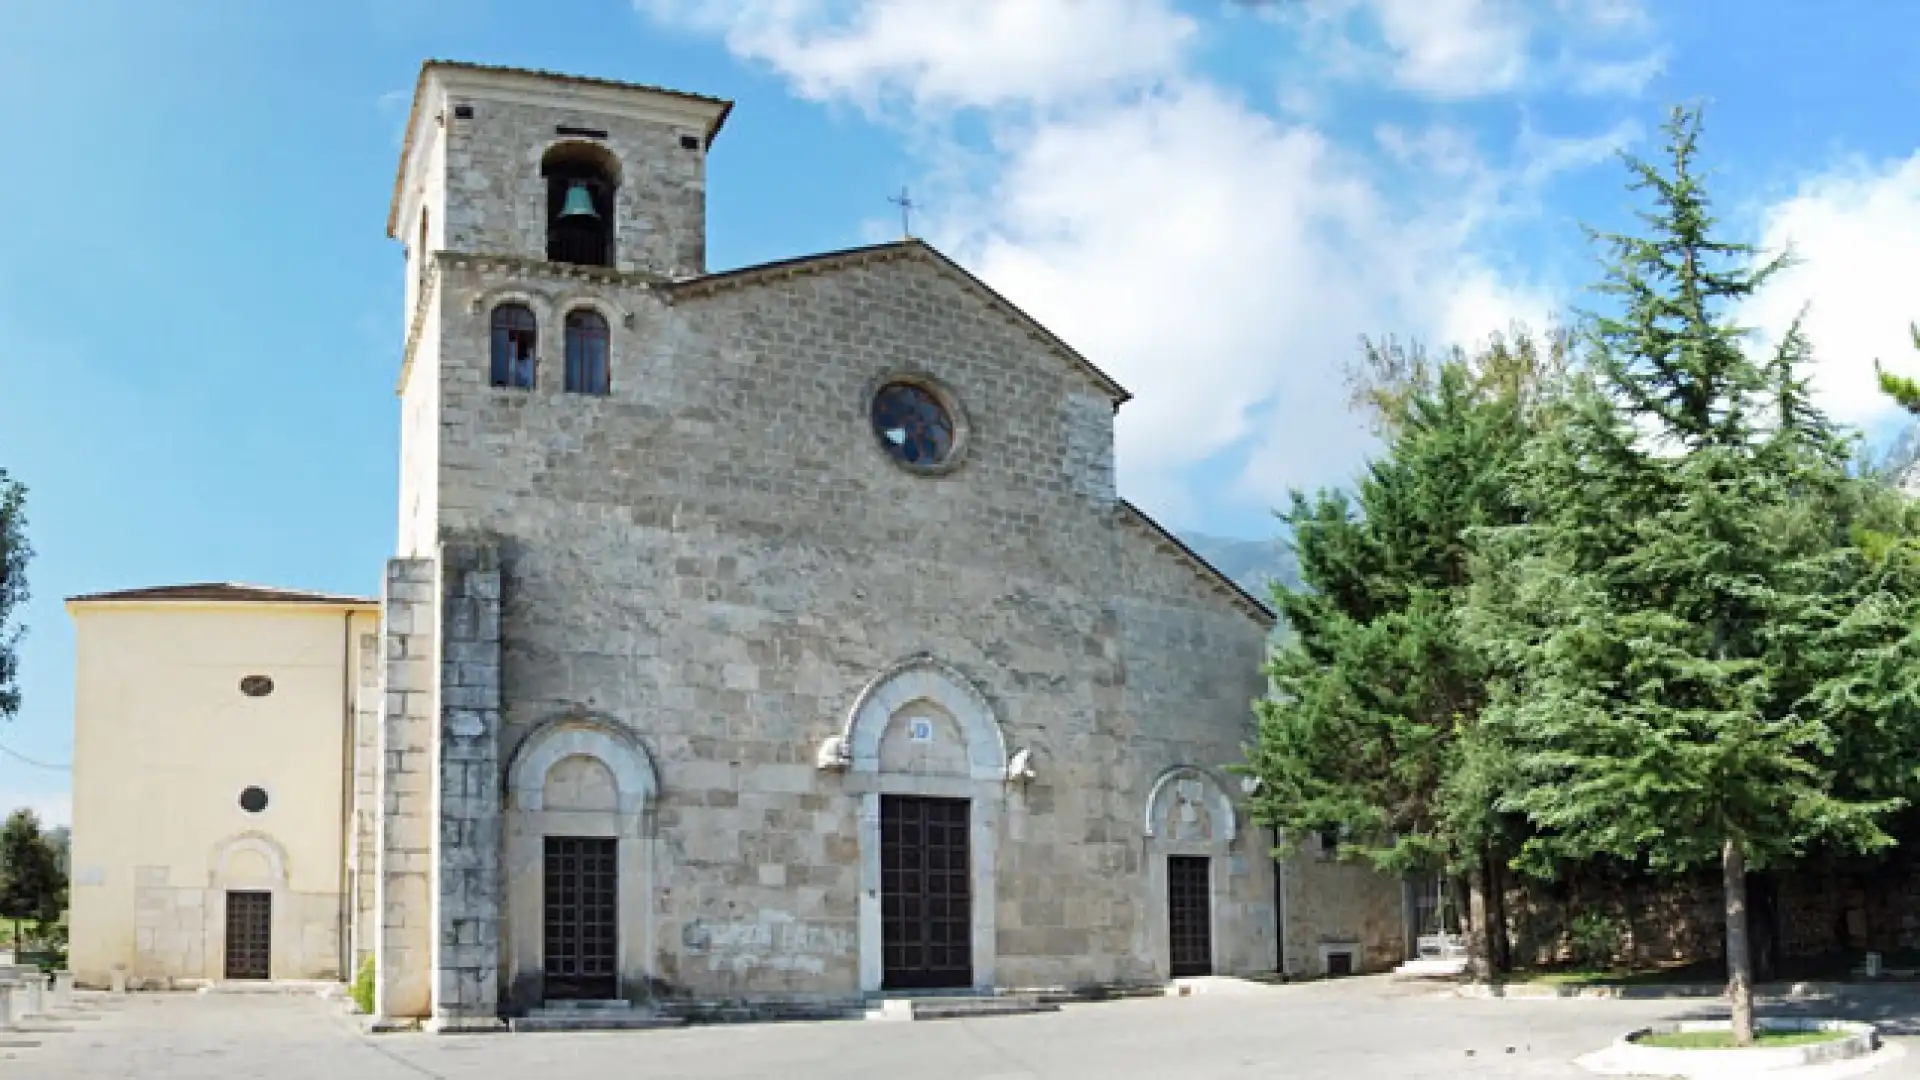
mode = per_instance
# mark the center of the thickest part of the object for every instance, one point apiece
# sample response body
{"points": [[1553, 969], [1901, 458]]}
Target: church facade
{"points": [[776, 633]]}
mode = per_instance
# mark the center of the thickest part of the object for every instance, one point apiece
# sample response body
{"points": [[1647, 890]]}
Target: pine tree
{"points": [[1372, 686], [1686, 546]]}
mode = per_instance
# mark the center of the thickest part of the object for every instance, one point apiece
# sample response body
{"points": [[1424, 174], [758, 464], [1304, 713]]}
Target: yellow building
{"points": [[212, 788]]}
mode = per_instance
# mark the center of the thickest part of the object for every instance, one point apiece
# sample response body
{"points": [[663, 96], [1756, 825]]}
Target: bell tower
{"points": [[545, 178], [561, 168], [537, 210]]}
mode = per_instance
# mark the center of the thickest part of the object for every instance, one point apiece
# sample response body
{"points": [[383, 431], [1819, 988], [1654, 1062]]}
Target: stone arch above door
{"points": [[1187, 804], [248, 858], [923, 678], [578, 776], [605, 742]]}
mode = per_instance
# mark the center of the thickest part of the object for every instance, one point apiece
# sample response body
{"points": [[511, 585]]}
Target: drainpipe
{"points": [[344, 930]]}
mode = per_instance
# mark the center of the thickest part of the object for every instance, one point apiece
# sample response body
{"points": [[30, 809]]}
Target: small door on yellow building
{"points": [[249, 935]]}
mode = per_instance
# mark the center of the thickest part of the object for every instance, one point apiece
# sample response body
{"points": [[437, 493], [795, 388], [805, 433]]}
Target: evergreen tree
{"points": [[31, 885], [1516, 365], [14, 553], [1671, 621], [1372, 687], [1901, 388]]}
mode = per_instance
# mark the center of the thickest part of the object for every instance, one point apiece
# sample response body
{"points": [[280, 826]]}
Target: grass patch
{"points": [[1723, 1040], [362, 988]]}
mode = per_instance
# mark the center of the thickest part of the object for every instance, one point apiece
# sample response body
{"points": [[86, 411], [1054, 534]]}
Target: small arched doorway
{"points": [[1190, 827], [579, 864]]}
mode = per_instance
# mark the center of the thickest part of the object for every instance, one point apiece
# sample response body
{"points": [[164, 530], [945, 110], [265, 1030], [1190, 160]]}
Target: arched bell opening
{"points": [[581, 181]]}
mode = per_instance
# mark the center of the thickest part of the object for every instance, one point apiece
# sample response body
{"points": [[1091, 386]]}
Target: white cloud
{"points": [[1616, 15], [1856, 233], [1458, 50], [1455, 48], [947, 53], [1546, 156], [1629, 76], [1219, 260]]}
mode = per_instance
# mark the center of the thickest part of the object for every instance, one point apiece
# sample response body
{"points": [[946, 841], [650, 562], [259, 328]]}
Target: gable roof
{"points": [[722, 106], [915, 249], [1221, 583], [224, 592]]}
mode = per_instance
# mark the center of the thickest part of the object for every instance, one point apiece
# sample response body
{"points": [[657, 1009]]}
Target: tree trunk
{"points": [[1479, 960], [1739, 961], [1498, 953]]}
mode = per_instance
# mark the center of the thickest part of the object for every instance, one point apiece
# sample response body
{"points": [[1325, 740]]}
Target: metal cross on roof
{"points": [[905, 203]]}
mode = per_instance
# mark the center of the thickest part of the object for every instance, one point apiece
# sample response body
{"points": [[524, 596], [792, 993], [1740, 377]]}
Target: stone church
{"points": [[773, 634]]}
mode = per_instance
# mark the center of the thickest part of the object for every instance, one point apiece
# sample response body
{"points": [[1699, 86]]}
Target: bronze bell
{"points": [[579, 202]]}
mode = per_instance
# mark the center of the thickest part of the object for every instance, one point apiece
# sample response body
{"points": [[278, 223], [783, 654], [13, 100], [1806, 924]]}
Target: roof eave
{"points": [[1244, 599], [746, 275]]}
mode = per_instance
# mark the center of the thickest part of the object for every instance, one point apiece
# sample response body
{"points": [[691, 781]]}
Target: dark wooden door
{"points": [[249, 935], [1189, 916], [926, 910], [582, 922]]}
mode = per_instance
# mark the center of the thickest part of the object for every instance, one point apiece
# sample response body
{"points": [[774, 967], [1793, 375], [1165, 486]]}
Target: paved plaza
{"points": [[1358, 1029]]}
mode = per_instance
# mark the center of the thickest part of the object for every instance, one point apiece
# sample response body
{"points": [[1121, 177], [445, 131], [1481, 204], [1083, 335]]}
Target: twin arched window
{"points": [[586, 352], [516, 336]]}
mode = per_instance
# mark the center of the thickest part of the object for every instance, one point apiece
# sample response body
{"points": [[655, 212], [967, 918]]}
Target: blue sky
{"points": [[1213, 200]]}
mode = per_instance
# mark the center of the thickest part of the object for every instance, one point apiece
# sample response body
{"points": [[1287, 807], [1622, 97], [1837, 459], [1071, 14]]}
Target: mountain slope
{"points": [[1254, 565]]}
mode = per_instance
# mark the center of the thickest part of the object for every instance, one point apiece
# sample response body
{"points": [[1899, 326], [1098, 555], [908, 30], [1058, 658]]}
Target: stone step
{"points": [[592, 1016], [959, 1008], [316, 987]]}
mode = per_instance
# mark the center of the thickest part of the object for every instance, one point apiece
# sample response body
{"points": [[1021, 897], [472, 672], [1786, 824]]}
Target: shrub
{"points": [[1594, 938], [362, 989]]}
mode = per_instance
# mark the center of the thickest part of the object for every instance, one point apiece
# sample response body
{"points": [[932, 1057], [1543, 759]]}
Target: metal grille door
{"points": [[249, 935], [1189, 916], [581, 919], [926, 913]]}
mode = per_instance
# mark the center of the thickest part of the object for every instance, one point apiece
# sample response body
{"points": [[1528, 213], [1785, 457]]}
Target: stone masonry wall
{"points": [[496, 199], [1818, 912], [403, 985], [1342, 902], [719, 555], [419, 486], [1192, 656], [467, 848]]}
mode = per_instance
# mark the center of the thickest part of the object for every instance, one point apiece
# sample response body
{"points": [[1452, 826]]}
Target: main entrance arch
{"points": [[926, 757]]}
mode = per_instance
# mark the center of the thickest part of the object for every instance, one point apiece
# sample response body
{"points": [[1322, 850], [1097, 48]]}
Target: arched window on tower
{"points": [[515, 336], [586, 352], [581, 179]]}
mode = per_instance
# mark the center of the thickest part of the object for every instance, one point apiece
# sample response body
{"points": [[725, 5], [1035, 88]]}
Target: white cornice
{"points": [[627, 102]]}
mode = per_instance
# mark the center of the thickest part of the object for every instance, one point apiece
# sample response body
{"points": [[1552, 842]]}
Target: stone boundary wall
{"points": [[1813, 913]]}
